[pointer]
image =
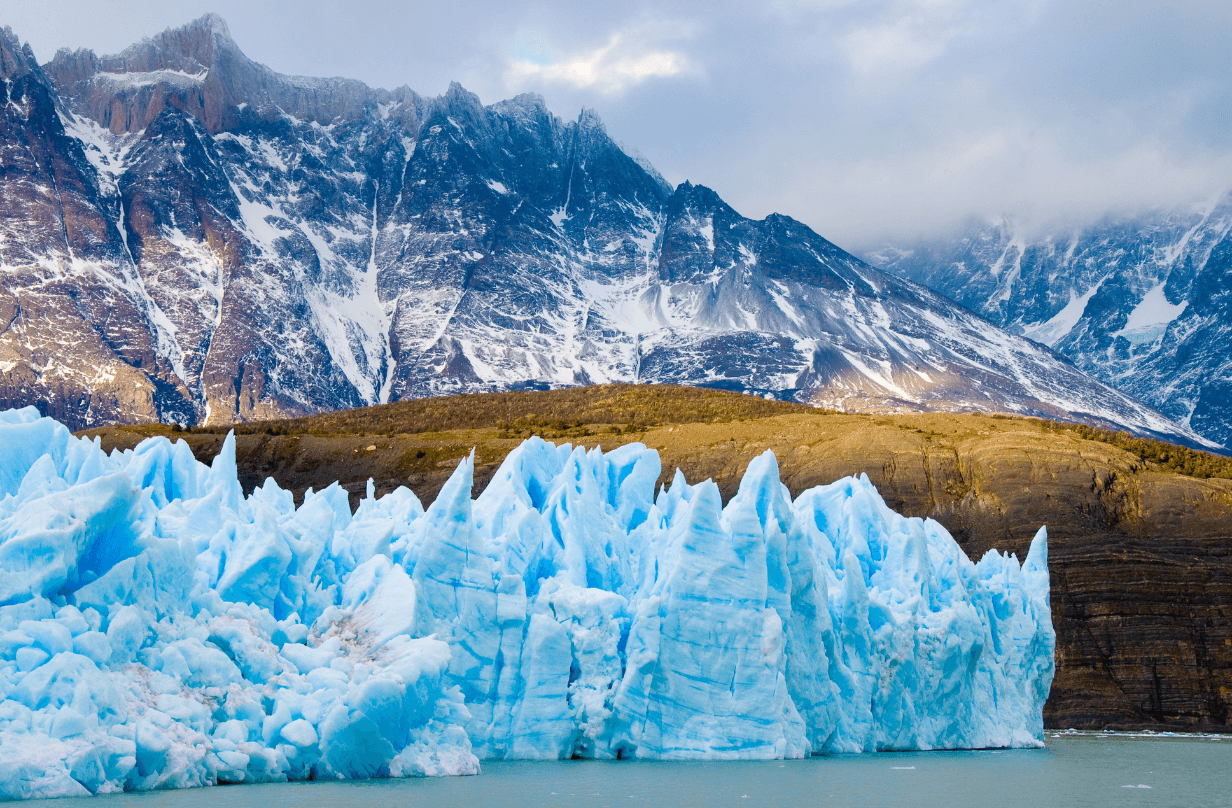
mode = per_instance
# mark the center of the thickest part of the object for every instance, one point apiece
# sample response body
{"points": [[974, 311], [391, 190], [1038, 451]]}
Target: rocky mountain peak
{"points": [[68, 67], [214, 22], [200, 70], [16, 59], [463, 107], [530, 102], [458, 97], [696, 199], [590, 122], [198, 44]]}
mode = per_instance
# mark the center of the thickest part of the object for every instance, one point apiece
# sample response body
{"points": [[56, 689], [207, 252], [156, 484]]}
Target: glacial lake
{"points": [[1086, 769]]}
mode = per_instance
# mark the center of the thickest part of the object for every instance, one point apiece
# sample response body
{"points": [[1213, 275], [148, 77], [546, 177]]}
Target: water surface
{"points": [[1081, 770]]}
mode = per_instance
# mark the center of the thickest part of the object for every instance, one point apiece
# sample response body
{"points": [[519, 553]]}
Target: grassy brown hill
{"points": [[1140, 532]]}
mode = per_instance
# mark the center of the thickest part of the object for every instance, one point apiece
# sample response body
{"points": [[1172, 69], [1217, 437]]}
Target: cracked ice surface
{"points": [[158, 629]]}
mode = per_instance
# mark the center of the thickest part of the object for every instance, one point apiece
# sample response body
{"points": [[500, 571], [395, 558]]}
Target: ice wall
{"points": [[158, 629]]}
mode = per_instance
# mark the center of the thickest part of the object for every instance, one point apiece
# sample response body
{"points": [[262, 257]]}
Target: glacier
{"points": [[160, 629]]}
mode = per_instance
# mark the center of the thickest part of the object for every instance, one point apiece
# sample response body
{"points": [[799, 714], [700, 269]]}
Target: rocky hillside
{"points": [[1143, 303], [189, 236], [1139, 553]]}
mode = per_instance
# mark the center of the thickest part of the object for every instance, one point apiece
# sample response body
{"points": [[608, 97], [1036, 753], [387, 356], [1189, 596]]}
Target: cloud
{"points": [[909, 35], [1038, 179], [625, 60], [900, 36]]}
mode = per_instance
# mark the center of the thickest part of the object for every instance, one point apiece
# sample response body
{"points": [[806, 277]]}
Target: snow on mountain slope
{"points": [[266, 245], [1141, 303]]}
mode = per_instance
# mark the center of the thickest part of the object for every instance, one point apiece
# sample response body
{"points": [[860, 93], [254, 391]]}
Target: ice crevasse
{"points": [[159, 629]]}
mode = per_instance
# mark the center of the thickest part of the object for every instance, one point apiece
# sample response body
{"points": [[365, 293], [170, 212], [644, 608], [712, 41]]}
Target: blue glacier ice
{"points": [[159, 629]]}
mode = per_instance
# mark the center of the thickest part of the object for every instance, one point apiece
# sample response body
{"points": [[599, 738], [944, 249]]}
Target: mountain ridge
{"points": [[1141, 302], [224, 260]]}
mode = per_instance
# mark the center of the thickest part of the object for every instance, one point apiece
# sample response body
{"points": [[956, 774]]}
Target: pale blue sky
{"points": [[867, 119]]}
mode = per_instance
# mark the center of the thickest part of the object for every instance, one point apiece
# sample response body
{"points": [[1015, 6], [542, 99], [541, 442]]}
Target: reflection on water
{"points": [[1079, 769]]}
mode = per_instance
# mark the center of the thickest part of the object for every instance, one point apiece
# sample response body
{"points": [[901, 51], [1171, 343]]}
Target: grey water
{"points": [[1088, 769]]}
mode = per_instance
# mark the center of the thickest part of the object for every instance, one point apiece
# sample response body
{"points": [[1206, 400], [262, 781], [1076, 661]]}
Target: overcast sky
{"points": [[869, 120]]}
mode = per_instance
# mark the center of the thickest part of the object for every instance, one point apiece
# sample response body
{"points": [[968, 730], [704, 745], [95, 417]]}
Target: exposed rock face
{"points": [[1140, 565], [200, 71], [74, 326], [1142, 303], [227, 243]]}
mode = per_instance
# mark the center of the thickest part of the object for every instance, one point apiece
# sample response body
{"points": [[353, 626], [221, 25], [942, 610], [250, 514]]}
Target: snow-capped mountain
{"points": [[188, 235], [1143, 303]]}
